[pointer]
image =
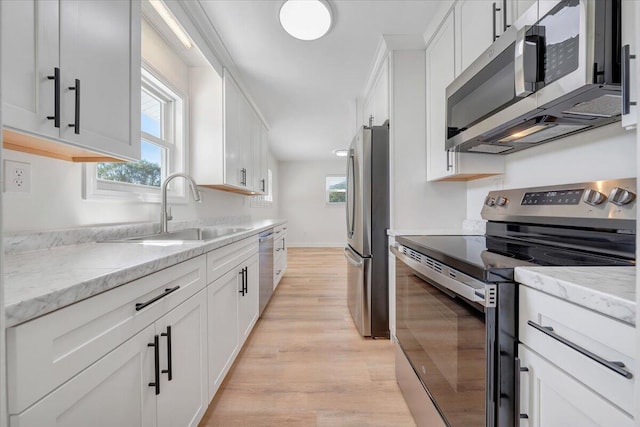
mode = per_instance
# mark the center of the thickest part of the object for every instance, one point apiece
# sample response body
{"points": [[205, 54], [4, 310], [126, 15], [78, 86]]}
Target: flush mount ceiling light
{"points": [[306, 19], [341, 152], [171, 22]]}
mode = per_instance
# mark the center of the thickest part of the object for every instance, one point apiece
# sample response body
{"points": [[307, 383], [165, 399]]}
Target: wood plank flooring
{"points": [[305, 363]]}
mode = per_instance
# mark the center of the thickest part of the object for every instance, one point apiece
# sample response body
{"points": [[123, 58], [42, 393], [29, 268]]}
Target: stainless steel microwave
{"points": [[556, 71]]}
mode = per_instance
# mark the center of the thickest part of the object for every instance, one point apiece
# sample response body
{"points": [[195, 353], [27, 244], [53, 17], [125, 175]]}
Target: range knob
{"points": [[593, 197], [490, 201], [620, 196], [501, 201]]}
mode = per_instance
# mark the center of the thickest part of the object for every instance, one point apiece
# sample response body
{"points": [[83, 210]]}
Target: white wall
{"points": [[56, 200], [608, 152], [311, 222]]}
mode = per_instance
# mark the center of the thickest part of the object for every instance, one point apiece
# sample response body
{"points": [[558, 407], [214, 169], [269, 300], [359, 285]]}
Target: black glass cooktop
{"points": [[493, 259]]}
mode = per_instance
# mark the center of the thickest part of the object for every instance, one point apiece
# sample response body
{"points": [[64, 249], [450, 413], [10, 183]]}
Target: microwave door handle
{"points": [[519, 63]]}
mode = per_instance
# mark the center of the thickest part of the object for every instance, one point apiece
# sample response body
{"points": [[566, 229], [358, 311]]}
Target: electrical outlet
{"points": [[17, 176]]}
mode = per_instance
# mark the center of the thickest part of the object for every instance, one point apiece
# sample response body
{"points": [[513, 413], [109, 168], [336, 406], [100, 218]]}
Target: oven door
{"points": [[447, 341]]}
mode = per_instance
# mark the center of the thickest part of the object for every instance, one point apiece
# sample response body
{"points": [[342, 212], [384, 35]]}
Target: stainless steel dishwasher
{"points": [[266, 267]]}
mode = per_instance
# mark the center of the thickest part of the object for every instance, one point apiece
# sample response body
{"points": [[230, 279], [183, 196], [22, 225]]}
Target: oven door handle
{"points": [[486, 298]]}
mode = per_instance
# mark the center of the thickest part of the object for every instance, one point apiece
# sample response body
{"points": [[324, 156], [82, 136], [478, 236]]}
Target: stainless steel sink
{"points": [[185, 235]]}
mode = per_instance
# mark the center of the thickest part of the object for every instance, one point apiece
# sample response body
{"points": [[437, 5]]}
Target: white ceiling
{"points": [[306, 90]]}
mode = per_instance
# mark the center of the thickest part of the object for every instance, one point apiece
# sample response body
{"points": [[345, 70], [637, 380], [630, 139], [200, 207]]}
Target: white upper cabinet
{"points": [[260, 158], [440, 59], [376, 104], [71, 74], [476, 24], [630, 37], [463, 35], [30, 48], [517, 7], [228, 140]]}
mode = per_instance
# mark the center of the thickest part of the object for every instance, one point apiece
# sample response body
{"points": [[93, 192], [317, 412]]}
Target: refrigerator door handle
{"points": [[351, 197], [348, 255]]}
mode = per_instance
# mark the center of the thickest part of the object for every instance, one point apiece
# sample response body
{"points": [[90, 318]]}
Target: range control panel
{"points": [[612, 199], [560, 197]]}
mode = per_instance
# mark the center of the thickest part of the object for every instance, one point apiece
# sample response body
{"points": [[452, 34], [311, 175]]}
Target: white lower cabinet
{"points": [[120, 389], [222, 299], [577, 365], [279, 253], [232, 299], [113, 391], [552, 398], [183, 397], [248, 309]]}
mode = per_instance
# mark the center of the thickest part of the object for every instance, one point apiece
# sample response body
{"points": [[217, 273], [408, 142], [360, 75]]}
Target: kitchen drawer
{"points": [[552, 398], [45, 352], [279, 229], [603, 337], [221, 260]]}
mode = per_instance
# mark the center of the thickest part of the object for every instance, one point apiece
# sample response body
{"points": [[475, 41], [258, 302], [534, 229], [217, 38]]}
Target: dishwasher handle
{"points": [[264, 237], [348, 254]]}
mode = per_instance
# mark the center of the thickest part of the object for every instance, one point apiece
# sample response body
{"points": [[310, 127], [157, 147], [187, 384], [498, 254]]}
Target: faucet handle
{"points": [[169, 217]]}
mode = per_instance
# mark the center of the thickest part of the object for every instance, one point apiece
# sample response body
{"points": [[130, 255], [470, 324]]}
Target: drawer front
{"points": [[552, 398], [221, 260], [597, 336], [46, 352]]}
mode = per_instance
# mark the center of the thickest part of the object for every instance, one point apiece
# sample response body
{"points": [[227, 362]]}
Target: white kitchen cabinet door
{"points": [[183, 398], [552, 398], [440, 68], [100, 47], [518, 8], [259, 151], [375, 108], [245, 141], [95, 42], [222, 326], [474, 21], [114, 391], [232, 126], [248, 304], [29, 55], [445, 164], [630, 19], [264, 160]]}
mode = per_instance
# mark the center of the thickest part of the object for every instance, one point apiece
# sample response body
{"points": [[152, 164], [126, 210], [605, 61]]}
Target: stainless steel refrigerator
{"points": [[367, 209]]}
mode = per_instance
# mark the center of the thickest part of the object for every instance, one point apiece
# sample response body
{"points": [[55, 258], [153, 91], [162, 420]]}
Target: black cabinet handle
{"points": [[246, 280], [169, 370], [76, 124], [263, 185], [495, 10], [626, 80], [242, 288], [283, 244], [504, 16], [516, 401], [141, 305], [613, 365], [156, 355], [243, 180], [56, 97]]}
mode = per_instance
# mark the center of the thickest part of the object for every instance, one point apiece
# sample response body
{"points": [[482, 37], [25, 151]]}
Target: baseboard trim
{"points": [[315, 245]]}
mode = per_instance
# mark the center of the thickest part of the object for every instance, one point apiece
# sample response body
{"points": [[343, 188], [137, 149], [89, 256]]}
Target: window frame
{"points": [[328, 191], [174, 145]]}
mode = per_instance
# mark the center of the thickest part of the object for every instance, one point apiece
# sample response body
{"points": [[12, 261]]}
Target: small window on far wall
{"points": [[336, 189]]}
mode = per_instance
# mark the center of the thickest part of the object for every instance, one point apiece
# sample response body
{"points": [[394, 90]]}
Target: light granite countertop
{"points": [[607, 290], [40, 281]]}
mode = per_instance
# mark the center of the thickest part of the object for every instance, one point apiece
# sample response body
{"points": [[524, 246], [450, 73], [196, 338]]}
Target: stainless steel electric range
{"points": [[456, 299]]}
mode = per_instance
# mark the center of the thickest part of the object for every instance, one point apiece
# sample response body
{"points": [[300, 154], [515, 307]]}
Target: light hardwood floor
{"points": [[305, 363]]}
